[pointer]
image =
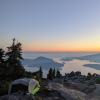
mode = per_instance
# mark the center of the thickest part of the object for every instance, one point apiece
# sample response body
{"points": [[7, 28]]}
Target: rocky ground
{"points": [[57, 91], [71, 94]]}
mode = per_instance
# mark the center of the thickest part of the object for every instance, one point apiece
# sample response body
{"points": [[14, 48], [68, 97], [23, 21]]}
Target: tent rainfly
{"points": [[24, 85]]}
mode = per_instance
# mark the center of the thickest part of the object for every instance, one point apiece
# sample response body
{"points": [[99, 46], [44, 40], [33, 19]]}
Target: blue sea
{"points": [[73, 65]]}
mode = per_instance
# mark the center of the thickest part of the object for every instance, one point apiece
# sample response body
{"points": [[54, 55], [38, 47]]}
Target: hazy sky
{"points": [[51, 25]]}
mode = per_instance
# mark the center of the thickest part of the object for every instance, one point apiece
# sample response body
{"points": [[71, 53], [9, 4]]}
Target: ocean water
{"points": [[74, 65]]}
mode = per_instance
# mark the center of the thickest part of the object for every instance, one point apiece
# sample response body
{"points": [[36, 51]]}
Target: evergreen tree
{"points": [[89, 76], [54, 73], [50, 74], [77, 73], [72, 74], [40, 73], [14, 57], [1, 56], [2, 65], [58, 74], [14, 54]]}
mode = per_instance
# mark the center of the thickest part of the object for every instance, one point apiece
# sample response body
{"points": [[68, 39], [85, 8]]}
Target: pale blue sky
{"points": [[42, 25]]}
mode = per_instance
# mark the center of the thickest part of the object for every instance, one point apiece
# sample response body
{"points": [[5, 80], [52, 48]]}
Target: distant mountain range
{"points": [[44, 62], [92, 58], [95, 66]]}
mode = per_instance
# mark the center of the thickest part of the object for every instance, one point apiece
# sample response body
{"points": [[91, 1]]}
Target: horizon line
{"points": [[61, 51]]}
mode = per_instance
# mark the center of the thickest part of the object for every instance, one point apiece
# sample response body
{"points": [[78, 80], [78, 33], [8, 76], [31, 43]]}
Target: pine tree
{"points": [[1, 56], [14, 53], [58, 74], [77, 73], [40, 73], [54, 73], [89, 76], [72, 74], [14, 57], [2, 65], [50, 74]]}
